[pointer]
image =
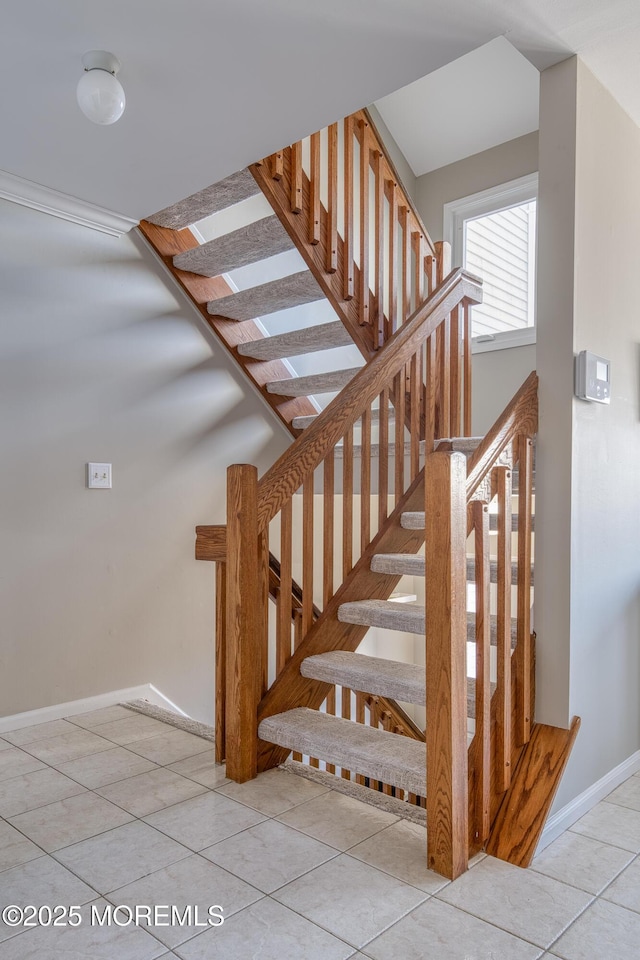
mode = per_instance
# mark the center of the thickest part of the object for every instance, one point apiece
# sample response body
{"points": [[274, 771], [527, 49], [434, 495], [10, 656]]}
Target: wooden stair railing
{"points": [[262, 680]]}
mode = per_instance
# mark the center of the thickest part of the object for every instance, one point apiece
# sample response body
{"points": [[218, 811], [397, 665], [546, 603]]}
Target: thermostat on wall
{"points": [[593, 377]]}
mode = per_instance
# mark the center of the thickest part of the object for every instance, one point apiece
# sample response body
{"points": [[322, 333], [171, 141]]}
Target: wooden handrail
{"points": [[311, 448]]}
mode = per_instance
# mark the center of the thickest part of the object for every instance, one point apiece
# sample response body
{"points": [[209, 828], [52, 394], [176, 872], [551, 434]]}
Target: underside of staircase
{"points": [[382, 483]]}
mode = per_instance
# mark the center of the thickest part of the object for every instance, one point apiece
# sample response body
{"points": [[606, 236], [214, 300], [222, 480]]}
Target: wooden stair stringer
{"points": [[167, 243], [291, 689]]}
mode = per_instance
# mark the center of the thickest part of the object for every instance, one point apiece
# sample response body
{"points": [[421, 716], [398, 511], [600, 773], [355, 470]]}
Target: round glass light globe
{"points": [[100, 96]]}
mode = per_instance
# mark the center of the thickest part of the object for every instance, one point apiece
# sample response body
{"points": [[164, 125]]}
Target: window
{"points": [[493, 234]]}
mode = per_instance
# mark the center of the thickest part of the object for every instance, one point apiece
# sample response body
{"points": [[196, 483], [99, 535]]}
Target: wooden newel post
{"points": [[446, 634], [245, 622]]}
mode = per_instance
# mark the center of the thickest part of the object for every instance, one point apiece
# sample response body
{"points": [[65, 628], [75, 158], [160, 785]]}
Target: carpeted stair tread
{"points": [[405, 617], [413, 565], [323, 336], [385, 678], [377, 754], [251, 243], [414, 520], [313, 383], [267, 298], [225, 193]]}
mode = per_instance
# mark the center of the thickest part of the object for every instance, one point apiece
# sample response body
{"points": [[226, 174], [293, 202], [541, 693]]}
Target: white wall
{"points": [[497, 374], [603, 606], [101, 360]]}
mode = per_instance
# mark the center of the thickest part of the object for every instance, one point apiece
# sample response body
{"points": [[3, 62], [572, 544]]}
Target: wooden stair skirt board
{"points": [[525, 807], [257, 241], [233, 189], [413, 565], [266, 298], [323, 336], [406, 617], [314, 383], [377, 754]]}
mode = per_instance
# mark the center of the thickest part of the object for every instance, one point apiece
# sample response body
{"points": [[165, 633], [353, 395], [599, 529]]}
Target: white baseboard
{"points": [[145, 691], [581, 804]]}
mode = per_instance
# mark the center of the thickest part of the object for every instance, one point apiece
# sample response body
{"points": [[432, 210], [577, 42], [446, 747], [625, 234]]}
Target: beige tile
{"points": [[4, 744], [14, 847], [266, 931], [35, 790], [203, 769], [40, 882], [337, 820], [99, 769], [69, 821], [625, 891], [121, 856], [131, 728], [611, 823], [604, 932], [350, 899], [193, 882], [269, 855], [527, 904], [67, 746], [88, 941], [274, 792], [39, 731], [151, 791], [627, 794], [170, 746], [202, 821], [581, 862], [401, 850], [437, 931], [105, 715], [15, 762]]}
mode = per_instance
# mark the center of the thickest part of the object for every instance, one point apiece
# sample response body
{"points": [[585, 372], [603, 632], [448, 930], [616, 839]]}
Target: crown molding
{"points": [[56, 204]]}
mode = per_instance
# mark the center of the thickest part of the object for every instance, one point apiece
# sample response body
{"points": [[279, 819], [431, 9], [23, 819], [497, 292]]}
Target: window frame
{"points": [[497, 198]]}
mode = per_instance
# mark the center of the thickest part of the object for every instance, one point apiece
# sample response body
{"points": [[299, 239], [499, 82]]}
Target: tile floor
{"points": [[115, 808]]}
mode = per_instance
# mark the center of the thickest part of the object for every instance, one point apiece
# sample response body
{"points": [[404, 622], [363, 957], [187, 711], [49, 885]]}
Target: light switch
{"points": [[99, 476]]}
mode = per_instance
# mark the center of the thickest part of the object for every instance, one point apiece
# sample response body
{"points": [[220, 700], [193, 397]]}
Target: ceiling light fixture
{"points": [[100, 94]]}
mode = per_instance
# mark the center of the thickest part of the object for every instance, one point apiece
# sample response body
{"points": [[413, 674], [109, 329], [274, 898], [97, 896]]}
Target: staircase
{"points": [[312, 553]]}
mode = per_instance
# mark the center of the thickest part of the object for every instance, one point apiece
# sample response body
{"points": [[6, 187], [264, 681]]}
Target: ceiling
{"points": [[492, 93], [214, 84]]}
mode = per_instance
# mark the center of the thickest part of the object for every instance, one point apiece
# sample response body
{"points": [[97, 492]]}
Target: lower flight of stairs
{"points": [[367, 751]]}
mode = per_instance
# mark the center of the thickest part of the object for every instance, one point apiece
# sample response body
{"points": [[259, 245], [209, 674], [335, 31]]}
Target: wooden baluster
{"points": [[331, 711], [365, 481], [503, 690], [347, 503], [277, 165], [246, 621], [406, 263], [296, 177], [387, 724], [399, 391], [430, 271], [414, 409], [263, 572], [307, 555], [221, 659], [445, 614], [374, 722], [345, 703], [284, 611], [454, 377], [430, 393], [443, 260], [348, 210], [379, 339], [393, 257], [328, 522], [314, 189], [383, 458], [482, 794], [360, 718], [525, 492], [467, 369], [417, 242], [364, 292], [332, 199], [443, 339]]}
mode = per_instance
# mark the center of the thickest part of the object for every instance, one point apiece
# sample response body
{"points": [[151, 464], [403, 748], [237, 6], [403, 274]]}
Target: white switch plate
{"points": [[99, 476]]}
